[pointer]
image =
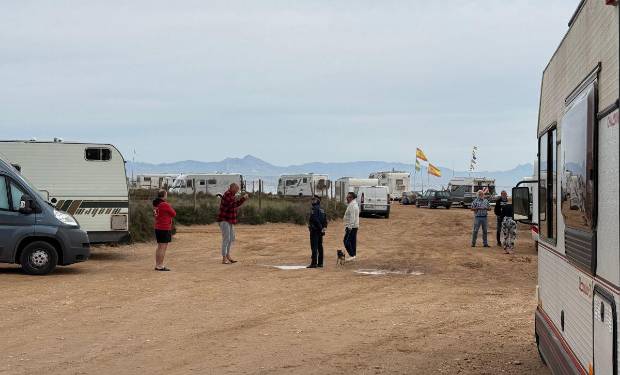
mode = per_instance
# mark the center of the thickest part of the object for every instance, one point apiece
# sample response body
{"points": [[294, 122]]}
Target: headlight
{"points": [[65, 218]]}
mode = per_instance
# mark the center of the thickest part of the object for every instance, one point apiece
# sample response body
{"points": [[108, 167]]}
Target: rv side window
{"points": [[577, 172], [202, 182], [305, 180], [291, 182], [147, 179], [212, 181], [4, 194], [98, 154], [547, 172]]}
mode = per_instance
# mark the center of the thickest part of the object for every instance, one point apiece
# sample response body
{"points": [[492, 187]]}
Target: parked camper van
{"points": [[87, 180], [32, 232], [154, 181], [345, 185], [396, 182], [209, 183], [578, 208], [373, 200], [304, 185], [463, 190]]}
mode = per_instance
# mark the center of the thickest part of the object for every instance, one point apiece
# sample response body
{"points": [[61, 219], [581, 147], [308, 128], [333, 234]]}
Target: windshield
{"points": [[442, 194]]}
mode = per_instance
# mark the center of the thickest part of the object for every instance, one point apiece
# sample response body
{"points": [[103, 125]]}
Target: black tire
{"points": [[447, 207], [39, 258], [387, 216], [417, 204]]}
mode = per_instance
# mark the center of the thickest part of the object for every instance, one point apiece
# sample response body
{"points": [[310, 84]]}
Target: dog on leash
{"points": [[340, 261]]}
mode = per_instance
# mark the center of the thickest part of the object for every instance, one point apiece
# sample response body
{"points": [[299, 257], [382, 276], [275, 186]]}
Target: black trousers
{"points": [[350, 241], [499, 229], [316, 244]]}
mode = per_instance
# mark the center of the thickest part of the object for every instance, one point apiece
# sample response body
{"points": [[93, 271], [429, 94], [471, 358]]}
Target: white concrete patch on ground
{"points": [[378, 272], [289, 267]]}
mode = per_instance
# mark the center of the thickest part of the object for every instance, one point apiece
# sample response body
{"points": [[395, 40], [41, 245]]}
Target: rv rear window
{"points": [[98, 154]]}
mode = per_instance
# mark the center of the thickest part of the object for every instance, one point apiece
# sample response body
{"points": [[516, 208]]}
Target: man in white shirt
{"points": [[351, 224]]}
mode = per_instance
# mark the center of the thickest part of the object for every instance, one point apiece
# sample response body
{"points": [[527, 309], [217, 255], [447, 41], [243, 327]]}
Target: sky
{"points": [[286, 81]]}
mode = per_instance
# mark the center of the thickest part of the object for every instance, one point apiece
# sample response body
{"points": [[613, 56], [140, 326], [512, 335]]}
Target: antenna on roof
{"points": [[57, 140]]}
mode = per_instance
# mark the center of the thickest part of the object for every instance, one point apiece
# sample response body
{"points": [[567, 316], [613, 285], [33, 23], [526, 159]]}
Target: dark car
{"points": [[409, 197], [434, 199]]}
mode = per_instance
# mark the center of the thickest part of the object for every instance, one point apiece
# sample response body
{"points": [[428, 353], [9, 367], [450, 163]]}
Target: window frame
{"points": [[100, 149], [8, 193], [551, 183]]}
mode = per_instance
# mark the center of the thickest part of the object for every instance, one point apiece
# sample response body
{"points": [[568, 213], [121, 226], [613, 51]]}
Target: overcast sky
{"points": [[286, 81]]}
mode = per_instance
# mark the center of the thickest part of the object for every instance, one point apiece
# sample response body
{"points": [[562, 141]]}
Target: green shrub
{"points": [[274, 209]]}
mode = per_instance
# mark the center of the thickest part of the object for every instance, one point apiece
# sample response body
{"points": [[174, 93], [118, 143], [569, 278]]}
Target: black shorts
{"points": [[163, 236]]}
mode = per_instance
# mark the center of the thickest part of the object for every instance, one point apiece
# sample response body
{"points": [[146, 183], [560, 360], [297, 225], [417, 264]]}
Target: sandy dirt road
{"points": [[471, 312]]}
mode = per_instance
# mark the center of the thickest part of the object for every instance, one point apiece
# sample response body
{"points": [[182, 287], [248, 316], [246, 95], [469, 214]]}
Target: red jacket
{"points": [[163, 213], [229, 207]]}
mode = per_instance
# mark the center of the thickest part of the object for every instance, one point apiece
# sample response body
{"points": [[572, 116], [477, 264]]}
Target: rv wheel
{"points": [[39, 258]]}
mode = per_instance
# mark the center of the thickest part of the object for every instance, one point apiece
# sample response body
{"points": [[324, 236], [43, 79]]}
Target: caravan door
{"points": [[604, 330]]}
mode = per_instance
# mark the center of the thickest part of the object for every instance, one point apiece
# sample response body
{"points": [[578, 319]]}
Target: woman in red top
{"points": [[163, 213]]}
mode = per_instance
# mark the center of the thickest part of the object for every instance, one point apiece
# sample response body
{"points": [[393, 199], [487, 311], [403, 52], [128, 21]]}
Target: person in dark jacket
{"points": [[163, 214], [500, 202], [317, 224]]}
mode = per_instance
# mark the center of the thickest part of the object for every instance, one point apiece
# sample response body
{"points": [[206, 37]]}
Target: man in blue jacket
{"points": [[317, 224]]}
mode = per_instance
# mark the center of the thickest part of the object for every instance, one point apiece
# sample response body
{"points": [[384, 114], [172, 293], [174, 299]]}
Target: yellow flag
{"points": [[434, 170], [419, 154]]}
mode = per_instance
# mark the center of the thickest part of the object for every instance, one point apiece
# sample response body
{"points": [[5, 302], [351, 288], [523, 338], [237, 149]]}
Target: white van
{"points": [[373, 200], [346, 185]]}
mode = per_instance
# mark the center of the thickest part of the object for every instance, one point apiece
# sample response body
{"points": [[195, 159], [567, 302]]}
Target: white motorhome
{"points": [[578, 207], [154, 181], [87, 180], [306, 185], [463, 190], [396, 182], [346, 185], [208, 183]]}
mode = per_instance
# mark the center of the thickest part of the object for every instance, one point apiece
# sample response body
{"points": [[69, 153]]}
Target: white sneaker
{"points": [[351, 259]]}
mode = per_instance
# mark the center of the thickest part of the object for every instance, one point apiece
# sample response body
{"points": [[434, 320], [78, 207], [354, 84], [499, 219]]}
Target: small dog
{"points": [[341, 260]]}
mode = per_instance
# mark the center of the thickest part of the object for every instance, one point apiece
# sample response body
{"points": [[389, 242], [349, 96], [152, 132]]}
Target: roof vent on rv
{"points": [[33, 139], [57, 140]]}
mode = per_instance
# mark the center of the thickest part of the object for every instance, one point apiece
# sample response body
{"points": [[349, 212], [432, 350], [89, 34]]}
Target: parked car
{"points": [[434, 199], [373, 200], [34, 233], [409, 197]]}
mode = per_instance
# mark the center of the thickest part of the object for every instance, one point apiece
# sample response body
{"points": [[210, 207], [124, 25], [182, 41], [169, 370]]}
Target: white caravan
{"points": [[345, 185], [396, 182], [306, 185], [463, 190], [154, 181], [208, 183], [578, 207], [86, 180]]}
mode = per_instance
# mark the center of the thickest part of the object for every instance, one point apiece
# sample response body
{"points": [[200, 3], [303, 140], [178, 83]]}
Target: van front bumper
{"points": [[77, 246]]}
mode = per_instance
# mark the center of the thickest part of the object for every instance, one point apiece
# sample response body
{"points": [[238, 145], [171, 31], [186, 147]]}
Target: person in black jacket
{"points": [[501, 201], [317, 224]]}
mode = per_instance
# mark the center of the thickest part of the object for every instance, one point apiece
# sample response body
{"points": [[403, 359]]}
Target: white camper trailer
{"points": [[86, 180], [304, 185], [463, 190], [396, 182], [346, 185], [154, 181], [208, 183], [577, 316]]}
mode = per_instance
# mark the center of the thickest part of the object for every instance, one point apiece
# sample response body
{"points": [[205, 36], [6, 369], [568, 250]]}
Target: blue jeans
{"points": [[350, 241], [480, 221]]}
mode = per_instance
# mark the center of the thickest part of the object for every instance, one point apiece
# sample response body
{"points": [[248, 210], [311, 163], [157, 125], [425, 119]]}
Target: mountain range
{"points": [[253, 168]]}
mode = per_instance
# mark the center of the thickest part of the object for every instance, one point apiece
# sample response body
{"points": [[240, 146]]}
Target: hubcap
{"points": [[39, 258]]}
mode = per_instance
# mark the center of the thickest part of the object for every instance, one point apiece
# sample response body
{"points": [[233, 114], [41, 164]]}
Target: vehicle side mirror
{"points": [[521, 204], [27, 205]]}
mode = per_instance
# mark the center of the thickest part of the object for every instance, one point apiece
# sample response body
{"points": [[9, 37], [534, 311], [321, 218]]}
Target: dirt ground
{"points": [[470, 312]]}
